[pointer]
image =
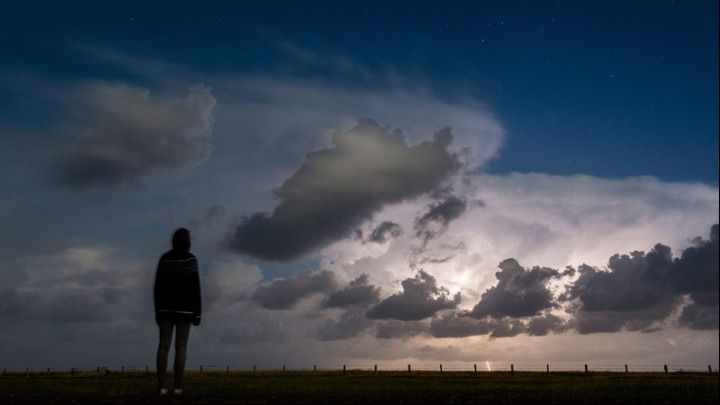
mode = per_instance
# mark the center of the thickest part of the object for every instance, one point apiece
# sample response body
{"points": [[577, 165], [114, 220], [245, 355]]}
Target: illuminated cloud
{"points": [[336, 189]]}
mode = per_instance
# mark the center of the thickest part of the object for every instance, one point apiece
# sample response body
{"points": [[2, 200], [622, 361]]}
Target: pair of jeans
{"points": [[181, 338]]}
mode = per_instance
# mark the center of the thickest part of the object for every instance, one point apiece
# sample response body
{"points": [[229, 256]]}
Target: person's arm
{"points": [[197, 296], [159, 281]]}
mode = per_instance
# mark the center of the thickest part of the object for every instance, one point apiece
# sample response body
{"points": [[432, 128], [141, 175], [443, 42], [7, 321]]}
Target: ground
{"points": [[363, 387]]}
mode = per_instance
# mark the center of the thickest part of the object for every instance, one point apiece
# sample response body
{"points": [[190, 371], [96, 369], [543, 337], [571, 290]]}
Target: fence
{"points": [[376, 368]]}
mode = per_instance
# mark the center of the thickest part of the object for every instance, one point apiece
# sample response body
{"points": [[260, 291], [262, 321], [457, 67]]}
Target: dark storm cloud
{"points": [[438, 216], [635, 292], [127, 134], [338, 188], [421, 298], [696, 271], [58, 305], [507, 327], [357, 293], [702, 313], [433, 223], [284, 293], [519, 292], [542, 325], [459, 324], [612, 321], [639, 289], [462, 324], [350, 324], [384, 232], [399, 329]]}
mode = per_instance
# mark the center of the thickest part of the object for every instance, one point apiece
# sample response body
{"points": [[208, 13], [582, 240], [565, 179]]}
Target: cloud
{"points": [[507, 327], [421, 298], [542, 325], [336, 189], [640, 288], [459, 324], [438, 216], [228, 282], [536, 218], [252, 327], [284, 293], [357, 293], [124, 134], [212, 215], [384, 232], [696, 270], [462, 324], [638, 291], [702, 313], [399, 329], [348, 325], [434, 223], [518, 293], [79, 284]]}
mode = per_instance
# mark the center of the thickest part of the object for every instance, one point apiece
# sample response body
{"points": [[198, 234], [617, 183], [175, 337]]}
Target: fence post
{"points": [[586, 368], [343, 369], [375, 372], [254, 370], [665, 368], [201, 369], [512, 368], [475, 368], [547, 368], [709, 369], [408, 368], [440, 368], [314, 367], [626, 368]]}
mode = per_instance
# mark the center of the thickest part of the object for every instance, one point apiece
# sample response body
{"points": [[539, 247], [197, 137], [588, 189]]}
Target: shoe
{"points": [[177, 391], [163, 391]]}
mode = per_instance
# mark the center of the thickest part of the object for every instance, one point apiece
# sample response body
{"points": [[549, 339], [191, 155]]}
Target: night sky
{"points": [[364, 182]]}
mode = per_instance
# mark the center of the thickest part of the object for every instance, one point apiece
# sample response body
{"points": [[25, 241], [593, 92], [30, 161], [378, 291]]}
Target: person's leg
{"points": [[166, 332], [181, 340]]}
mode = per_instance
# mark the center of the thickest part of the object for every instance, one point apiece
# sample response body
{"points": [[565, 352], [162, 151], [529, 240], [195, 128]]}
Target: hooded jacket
{"points": [[177, 288]]}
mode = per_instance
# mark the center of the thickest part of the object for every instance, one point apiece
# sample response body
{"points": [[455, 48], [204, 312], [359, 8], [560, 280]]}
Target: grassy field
{"points": [[362, 387]]}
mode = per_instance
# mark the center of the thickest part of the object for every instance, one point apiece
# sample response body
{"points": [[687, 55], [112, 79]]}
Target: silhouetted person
{"points": [[177, 305]]}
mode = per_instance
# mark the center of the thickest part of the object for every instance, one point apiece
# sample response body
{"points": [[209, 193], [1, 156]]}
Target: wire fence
{"points": [[472, 368]]}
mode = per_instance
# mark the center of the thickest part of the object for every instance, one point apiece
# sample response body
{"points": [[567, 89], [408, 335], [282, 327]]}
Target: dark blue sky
{"points": [[611, 89]]}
